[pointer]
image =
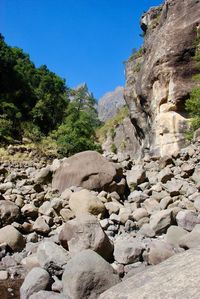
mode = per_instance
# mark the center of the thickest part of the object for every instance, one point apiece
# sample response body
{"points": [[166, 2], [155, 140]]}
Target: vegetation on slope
{"points": [[109, 127], [193, 103], [36, 103]]}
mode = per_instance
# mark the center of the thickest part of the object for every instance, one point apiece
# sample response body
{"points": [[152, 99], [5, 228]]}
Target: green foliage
{"points": [[77, 132], [155, 22], [29, 94], [193, 103], [112, 133], [110, 125], [35, 103], [5, 130], [136, 54], [113, 148], [193, 108]]}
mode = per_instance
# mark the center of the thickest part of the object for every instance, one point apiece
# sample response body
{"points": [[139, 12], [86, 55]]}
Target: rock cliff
{"points": [[159, 76], [110, 103]]}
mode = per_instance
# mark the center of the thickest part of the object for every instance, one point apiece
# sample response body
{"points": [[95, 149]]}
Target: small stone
{"points": [[40, 226]]}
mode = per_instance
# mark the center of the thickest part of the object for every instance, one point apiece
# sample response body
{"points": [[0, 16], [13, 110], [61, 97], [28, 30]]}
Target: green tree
{"points": [[77, 132]]}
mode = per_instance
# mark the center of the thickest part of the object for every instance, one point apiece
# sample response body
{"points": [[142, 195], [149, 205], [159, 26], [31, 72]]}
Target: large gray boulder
{"points": [[87, 275], [86, 169], [86, 233], [36, 280], [177, 277]]}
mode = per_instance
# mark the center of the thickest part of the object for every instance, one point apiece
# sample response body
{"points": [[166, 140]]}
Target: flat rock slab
{"points": [[178, 277]]}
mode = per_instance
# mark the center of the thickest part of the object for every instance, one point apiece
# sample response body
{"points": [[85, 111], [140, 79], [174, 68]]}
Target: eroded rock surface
{"points": [[159, 78]]}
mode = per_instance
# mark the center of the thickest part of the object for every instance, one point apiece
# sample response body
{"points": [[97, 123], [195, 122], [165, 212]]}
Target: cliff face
{"points": [[159, 77], [110, 103]]}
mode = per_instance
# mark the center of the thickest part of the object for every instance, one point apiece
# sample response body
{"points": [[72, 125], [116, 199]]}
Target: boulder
{"points": [[174, 186], [87, 275], [50, 253], [86, 233], [127, 251], [165, 175], [174, 235], [139, 213], [187, 219], [84, 202], [196, 175], [9, 212], [40, 226], [159, 251], [135, 176], [86, 169], [44, 175], [29, 210], [177, 277], [161, 220], [192, 239], [36, 280], [12, 237], [6, 186]]}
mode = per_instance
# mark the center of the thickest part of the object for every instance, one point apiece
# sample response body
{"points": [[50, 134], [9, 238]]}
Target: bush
{"points": [[193, 103], [5, 130]]}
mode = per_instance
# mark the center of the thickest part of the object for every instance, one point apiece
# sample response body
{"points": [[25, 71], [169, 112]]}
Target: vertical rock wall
{"points": [[159, 77]]}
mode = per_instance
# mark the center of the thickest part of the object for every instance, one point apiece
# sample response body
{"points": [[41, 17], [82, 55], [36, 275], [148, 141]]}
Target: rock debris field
{"points": [[93, 226]]}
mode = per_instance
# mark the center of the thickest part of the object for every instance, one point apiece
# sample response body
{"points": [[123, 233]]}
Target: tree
{"points": [[77, 132]]}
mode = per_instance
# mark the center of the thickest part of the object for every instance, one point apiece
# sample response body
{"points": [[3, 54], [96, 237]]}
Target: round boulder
{"points": [[12, 237], [86, 169], [9, 212]]}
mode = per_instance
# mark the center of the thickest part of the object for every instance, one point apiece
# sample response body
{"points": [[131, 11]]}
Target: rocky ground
{"points": [[79, 226]]}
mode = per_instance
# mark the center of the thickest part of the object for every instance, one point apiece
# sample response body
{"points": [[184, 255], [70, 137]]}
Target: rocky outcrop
{"points": [[110, 103], [159, 76]]}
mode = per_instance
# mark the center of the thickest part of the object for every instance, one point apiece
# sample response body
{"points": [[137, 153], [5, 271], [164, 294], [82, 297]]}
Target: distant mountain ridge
{"points": [[110, 103]]}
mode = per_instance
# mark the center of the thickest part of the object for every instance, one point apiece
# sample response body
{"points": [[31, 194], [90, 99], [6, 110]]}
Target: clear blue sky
{"points": [[80, 40]]}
